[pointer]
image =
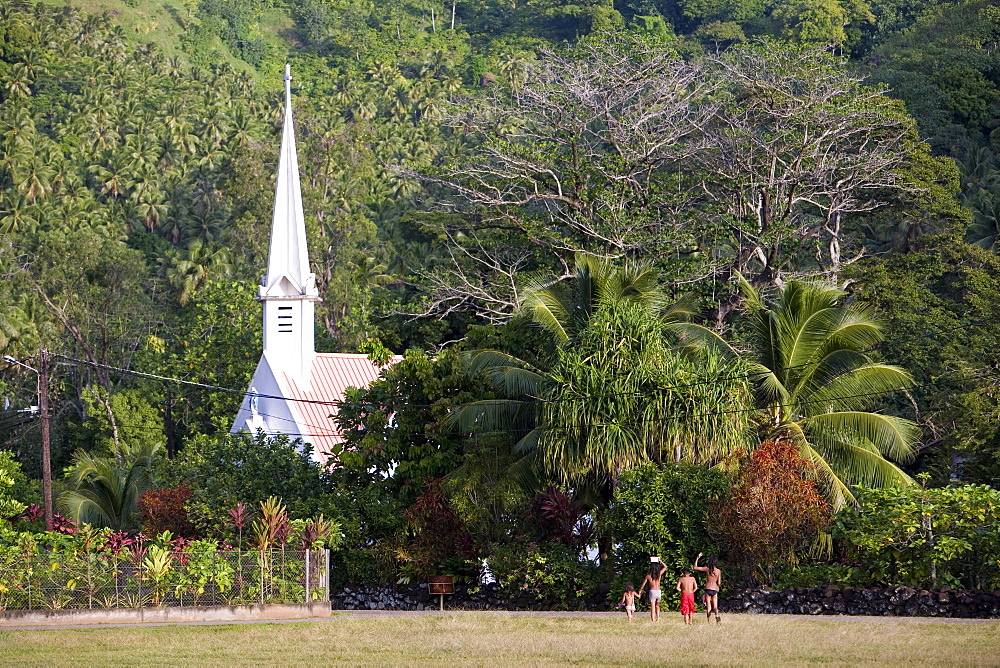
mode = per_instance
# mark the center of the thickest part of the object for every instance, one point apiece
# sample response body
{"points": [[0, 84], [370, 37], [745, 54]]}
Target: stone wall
{"points": [[831, 600], [415, 597], [892, 601]]}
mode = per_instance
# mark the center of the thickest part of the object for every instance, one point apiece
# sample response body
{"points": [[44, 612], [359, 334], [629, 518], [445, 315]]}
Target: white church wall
{"points": [[274, 414]]}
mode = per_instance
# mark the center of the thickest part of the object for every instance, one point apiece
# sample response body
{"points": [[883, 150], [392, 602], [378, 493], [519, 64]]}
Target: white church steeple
{"points": [[289, 289], [294, 388]]}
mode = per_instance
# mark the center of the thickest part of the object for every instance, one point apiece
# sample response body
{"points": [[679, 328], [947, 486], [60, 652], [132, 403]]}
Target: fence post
{"points": [[308, 554], [326, 573]]}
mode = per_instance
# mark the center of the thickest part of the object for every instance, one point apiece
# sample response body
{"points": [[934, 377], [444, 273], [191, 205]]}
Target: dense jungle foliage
{"points": [[629, 250]]}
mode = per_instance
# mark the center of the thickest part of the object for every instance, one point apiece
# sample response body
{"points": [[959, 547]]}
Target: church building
{"points": [[294, 388]]}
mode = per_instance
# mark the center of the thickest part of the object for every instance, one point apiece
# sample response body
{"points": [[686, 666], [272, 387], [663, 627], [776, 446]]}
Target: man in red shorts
{"points": [[687, 586]]}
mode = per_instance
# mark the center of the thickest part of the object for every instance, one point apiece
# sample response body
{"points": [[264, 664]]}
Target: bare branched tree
{"points": [[752, 161], [798, 145], [483, 276], [577, 158], [573, 158]]}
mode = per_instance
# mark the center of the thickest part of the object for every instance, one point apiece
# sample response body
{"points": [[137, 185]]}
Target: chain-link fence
{"points": [[158, 577]]}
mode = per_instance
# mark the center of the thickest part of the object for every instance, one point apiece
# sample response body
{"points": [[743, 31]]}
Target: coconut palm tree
{"points": [[18, 82], [14, 325], [985, 228], [35, 181], [815, 385], [189, 269], [105, 491]]}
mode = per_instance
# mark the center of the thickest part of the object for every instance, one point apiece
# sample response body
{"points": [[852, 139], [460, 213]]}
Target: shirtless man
{"points": [[653, 579], [687, 586], [713, 580]]}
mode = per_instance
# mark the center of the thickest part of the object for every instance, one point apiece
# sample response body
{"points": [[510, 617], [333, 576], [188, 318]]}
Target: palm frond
{"points": [[491, 415], [525, 473], [770, 390], [890, 436], [857, 388], [856, 329], [751, 296], [833, 488], [833, 364], [507, 375], [681, 310], [699, 337], [858, 462], [804, 337], [550, 308]]}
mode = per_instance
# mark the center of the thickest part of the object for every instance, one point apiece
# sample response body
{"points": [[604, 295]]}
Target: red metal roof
{"points": [[332, 374]]}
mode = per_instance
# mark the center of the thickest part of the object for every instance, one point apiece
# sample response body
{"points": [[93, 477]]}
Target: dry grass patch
{"points": [[491, 639]]}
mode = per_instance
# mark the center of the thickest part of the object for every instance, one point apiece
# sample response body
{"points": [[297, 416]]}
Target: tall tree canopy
{"points": [[766, 160]]}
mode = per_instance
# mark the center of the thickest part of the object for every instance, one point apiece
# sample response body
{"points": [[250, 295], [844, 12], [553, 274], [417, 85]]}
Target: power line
{"points": [[826, 400], [533, 399], [190, 383], [11, 362], [328, 432], [218, 388]]}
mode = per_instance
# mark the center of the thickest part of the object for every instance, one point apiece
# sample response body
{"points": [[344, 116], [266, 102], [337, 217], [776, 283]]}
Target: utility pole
{"points": [[168, 423], [43, 405]]}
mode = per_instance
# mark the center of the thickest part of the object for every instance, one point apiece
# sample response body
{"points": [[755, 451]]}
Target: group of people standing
{"points": [[687, 585]]}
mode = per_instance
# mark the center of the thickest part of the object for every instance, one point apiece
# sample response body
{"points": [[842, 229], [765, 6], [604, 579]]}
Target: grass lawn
{"points": [[478, 639]]}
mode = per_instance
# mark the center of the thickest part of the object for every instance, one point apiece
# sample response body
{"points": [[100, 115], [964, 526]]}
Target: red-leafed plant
{"points": [[315, 531], [164, 510], [272, 527], [241, 517], [118, 541], [440, 540], [774, 509], [138, 549], [64, 525], [561, 518], [29, 514]]}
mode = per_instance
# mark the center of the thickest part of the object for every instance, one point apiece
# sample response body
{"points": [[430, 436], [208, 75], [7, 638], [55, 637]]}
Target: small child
{"points": [[687, 586], [628, 600]]}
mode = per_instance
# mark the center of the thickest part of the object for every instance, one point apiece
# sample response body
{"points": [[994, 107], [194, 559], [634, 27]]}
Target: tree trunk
{"points": [[604, 546]]}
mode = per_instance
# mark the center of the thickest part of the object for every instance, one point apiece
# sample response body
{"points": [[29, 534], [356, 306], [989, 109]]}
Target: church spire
{"points": [[289, 257], [289, 289]]}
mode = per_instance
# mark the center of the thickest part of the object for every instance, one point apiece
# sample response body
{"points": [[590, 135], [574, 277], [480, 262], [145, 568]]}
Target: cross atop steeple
{"points": [[289, 288]]}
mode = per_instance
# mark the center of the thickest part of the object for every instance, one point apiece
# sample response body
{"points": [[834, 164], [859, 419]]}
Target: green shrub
{"points": [[664, 510], [549, 572], [925, 537], [364, 566]]}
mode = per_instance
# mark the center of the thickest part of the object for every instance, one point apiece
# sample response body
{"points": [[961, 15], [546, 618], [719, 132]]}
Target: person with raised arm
{"points": [[713, 580]]}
